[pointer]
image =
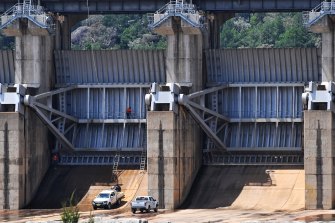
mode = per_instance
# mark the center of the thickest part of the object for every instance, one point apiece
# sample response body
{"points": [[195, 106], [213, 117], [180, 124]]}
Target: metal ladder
{"points": [[116, 163], [144, 151], [117, 155], [61, 123], [213, 121]]}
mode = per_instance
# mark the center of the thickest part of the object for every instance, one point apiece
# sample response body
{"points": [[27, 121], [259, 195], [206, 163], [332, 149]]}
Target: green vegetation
{"points": [[132, 32], [267, 30], [70, 212], [116, 32]]}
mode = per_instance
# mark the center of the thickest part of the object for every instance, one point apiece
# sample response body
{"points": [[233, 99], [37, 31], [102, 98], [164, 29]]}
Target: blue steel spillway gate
{"points": [[262, 102]]}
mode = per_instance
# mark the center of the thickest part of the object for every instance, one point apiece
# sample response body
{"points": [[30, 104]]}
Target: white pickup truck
{"points": [[144, 203], [107, 198]]}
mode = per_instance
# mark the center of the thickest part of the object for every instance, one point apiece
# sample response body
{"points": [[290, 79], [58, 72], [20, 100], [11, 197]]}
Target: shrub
{"points": [[70, 213]]}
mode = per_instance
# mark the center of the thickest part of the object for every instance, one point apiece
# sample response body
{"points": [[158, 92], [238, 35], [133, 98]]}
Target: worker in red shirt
{"points": [[128, 112], [55, 159]]}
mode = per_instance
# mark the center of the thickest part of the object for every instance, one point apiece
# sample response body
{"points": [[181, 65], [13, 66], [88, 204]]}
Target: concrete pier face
{"points": [[319, 131], [23, 159], [325, 26], [12, 161], [184, 60], [174, 145], [174, 156], [33, 61], [183, 53], [26, 153]]}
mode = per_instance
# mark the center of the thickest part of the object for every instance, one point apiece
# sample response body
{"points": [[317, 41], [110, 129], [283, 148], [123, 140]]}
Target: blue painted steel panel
{"points": [[268, 135], [110, 66], [110, 137], [270, 102], [254, 98], [7, 71], [113, 107], [263, 65]]}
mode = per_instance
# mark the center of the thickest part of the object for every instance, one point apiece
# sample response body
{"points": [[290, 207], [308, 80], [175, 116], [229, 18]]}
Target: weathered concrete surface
{"points": [[184, 60], [23, 159], [325, 26], [248, 187], [174, 156], [34, 69], [183, 53], [174, 140], [214, 23], [133, 183], [87, 182], [318, 159], [12, 161], [34, 61], [64, 24]]}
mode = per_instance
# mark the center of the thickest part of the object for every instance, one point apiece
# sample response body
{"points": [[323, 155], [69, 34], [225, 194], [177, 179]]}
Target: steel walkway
{"points": [[30, 11], [121, 159], [253, 159]]}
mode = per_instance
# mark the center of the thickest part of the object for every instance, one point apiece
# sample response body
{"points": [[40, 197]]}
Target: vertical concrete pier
{"points": [[212, 35], [24, 139], [174, 156], [183, 53], [319, 131], [174, 139]]}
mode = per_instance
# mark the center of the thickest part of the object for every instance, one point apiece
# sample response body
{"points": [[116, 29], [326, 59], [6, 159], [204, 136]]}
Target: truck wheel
{"points": [[133, 210], [141, 210], [156, 209], [94, 207], [109, 206], [148, 209]]}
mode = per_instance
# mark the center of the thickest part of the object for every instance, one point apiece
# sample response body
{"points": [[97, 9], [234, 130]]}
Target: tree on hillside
{"points": [[267, 30], [116, 32]]}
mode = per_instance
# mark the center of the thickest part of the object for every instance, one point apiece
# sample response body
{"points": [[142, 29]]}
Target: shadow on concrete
{"points": [[219, 186], [60, 181]]}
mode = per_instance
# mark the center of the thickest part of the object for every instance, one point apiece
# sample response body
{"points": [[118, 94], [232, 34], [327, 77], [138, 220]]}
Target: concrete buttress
{"points": [[174, 141], [25, 156], [174, 156], [319, 132]]}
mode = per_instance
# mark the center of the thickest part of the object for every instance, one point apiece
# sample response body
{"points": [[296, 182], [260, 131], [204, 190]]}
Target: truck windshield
{"points": [[103, 195]]}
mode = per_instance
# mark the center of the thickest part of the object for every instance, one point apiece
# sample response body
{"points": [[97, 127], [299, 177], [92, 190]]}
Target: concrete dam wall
{"points": [[263, 102]]}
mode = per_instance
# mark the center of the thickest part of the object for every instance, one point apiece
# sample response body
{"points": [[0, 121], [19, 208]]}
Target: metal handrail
{"points": [[324, 8], [29, 11], [175, 8]]}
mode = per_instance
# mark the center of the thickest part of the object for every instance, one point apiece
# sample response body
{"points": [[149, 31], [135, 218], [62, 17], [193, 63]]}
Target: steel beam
{"points": [[121, 120], [143, 6], [53, 129]]}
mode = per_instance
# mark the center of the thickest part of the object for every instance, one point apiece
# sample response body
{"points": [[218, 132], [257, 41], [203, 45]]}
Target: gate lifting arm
{"points": [[59, 123], [210, 121]]}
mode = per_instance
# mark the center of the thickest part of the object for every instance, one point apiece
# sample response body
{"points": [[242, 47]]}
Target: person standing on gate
{"points": [[128, 112]]}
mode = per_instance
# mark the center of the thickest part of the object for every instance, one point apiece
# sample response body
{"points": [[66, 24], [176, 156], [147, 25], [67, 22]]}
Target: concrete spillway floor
{"points": [[220, 194], [86, 182], [248, 187]]}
